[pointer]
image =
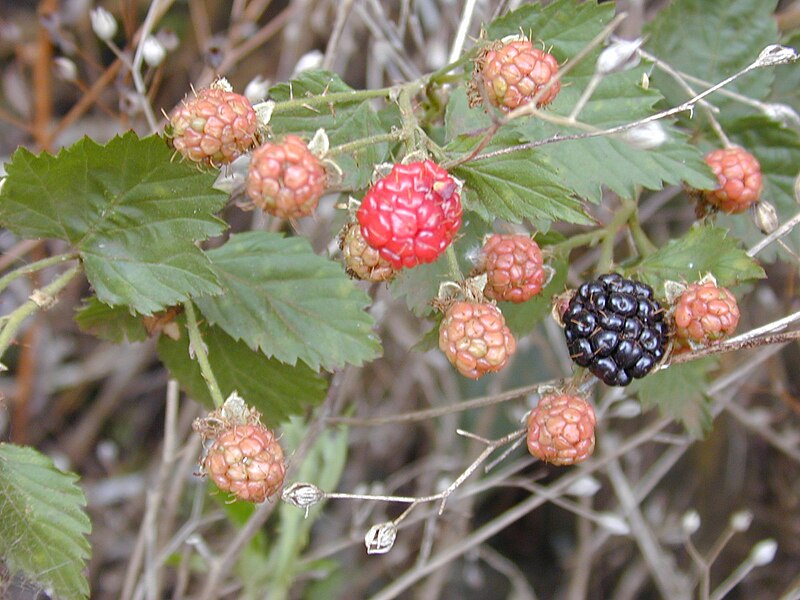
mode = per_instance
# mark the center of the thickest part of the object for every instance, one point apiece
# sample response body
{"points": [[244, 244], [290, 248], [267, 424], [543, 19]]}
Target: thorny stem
{"points": [[452, 264], [410, 126], [35, 266], [42, 298], [199, 349]]}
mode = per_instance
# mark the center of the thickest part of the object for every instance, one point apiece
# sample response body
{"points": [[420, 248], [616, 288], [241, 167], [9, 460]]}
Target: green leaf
{"points": [[132, 213], [277, 390], [112, 323], [564, 25], [522, 318], [349, 121], [678, 392], [702, 250], [713, 40], [585, 166], [290, 303], [514, 186], [43, 525]]}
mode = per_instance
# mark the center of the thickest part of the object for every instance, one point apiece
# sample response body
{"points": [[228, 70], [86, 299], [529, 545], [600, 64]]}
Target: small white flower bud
{"points": [[646, 136], [690, 522], [153, 51], [614, 524], [103, 23], [257, 89], [169, 39], [763, 552], [65, 68], [740, 520], [583, 487], [628, 409], [302, 495], [765, 217], [308, 62], [782, 113], [380, 538], [619, 56]]}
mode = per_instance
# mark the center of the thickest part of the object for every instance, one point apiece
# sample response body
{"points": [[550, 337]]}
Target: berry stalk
{"points": [[199, 348]]}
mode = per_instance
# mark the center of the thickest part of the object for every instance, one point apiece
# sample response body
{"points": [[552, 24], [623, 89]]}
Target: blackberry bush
{"points": [[140, 235]]}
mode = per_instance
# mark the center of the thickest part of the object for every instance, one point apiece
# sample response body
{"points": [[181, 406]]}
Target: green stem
{"points": [[410, 125], [643, 243], [590, 238], [323, 99], [39, 299], [196, 340], [452, 263], [606, 260], [35, 266], [367, 141], [442, 75]]}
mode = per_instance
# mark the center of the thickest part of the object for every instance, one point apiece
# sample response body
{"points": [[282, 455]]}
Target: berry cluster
{"points": [[475, 338], [514, 73], [213, 127], [361, 260], [247, 461], [412, 214], [704, 313], [739, 176], [514, 268], [561, 429], [285, 179], [616, 328]]}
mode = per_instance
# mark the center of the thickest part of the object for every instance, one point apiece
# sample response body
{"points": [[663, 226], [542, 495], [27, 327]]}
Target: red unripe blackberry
{"points": [[561, 429], [616, 328], [514, 268], [285, 179], [514, 73], [704, 313], [412, 214], [247, 461], [213, 126], [739, 176], [475, 338]]}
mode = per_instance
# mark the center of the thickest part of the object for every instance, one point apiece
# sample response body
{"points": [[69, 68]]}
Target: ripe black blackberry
{"points": [[616, 328]]}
